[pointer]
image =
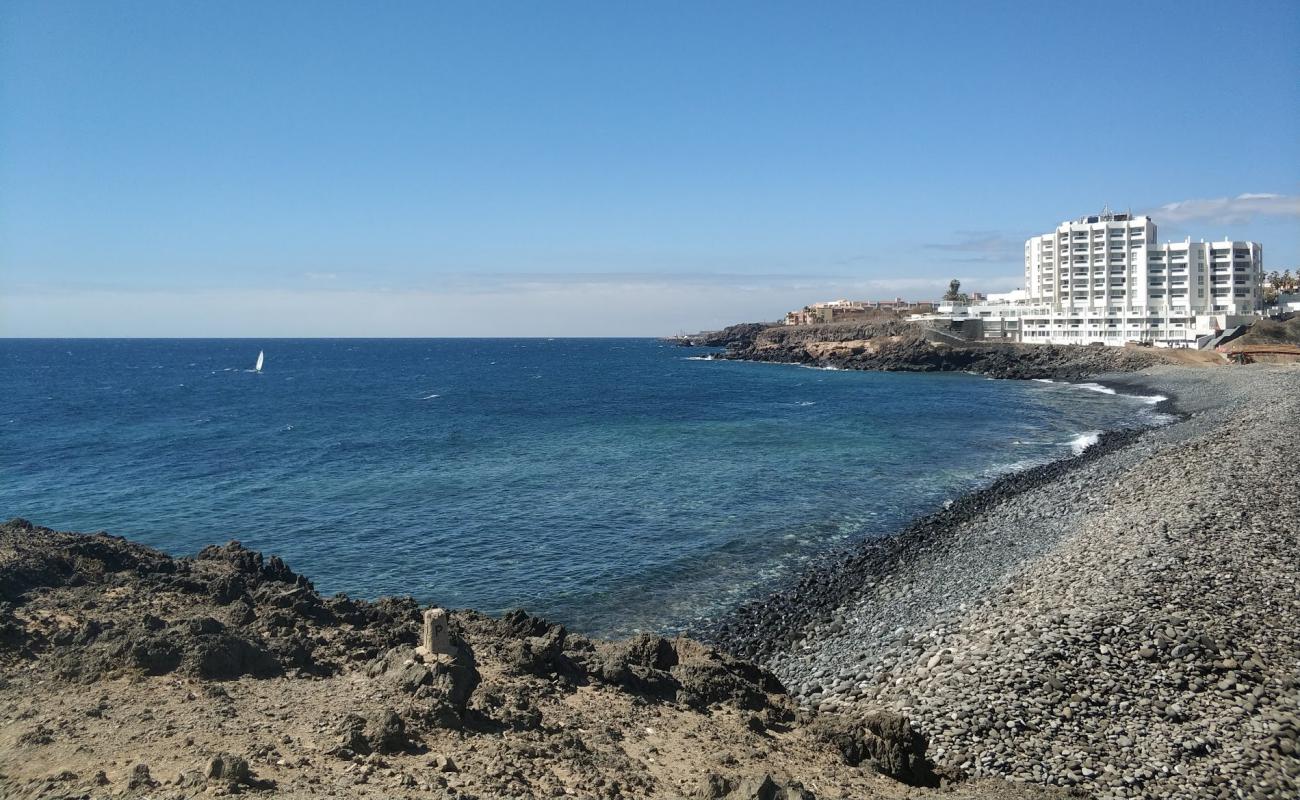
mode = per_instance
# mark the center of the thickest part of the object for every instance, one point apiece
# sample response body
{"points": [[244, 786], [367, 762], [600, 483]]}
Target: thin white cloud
{"points": [[577, 306], [1229, 210], [982, 246]]}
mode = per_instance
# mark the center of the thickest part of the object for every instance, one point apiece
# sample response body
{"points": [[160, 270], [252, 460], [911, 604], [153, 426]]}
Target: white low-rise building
{"points": [[1105, 279]]}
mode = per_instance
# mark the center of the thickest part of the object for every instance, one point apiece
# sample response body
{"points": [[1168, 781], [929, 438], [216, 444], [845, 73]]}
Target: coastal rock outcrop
{"points": [[894, 345], [886, 741], [739, 335], [231, 672]]}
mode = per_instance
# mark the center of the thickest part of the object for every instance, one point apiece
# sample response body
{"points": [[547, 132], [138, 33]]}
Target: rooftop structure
{"points": [[853, 310]]}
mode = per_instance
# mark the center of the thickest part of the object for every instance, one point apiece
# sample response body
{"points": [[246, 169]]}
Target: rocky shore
{"points": [[1123, 624], [898, 345], [125, 672], [739, 335]]}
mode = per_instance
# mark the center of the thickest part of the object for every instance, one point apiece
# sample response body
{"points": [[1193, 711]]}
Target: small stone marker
{"points": [[437, 634]]}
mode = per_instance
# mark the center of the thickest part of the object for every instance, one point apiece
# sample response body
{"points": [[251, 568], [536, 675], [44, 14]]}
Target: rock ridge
{"points": [[901, 346]]}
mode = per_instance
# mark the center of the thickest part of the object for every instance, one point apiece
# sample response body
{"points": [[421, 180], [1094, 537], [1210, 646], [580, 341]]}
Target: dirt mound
{"points": [[1268, 331]]}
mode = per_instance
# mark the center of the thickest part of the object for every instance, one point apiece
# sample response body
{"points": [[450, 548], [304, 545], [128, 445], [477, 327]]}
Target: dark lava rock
{"points": [[387, 733], [269, 625], [885, 741], [736, 336], [449, 678], [352, 736], [226, 655], [713, 787], [682, 670], [384, 733], [43, 559], [154, 654], [899, 345], [537, 647], [640, 664], [759, 787], [707, 676], [140, 778], [754, 787], [509, 707], [229, 770]]}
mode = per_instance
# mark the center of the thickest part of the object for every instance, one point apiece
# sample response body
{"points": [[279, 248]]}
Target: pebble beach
{"points": [[1124, 624]]}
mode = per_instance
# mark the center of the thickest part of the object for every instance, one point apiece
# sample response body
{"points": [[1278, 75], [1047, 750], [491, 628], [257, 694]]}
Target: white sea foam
{"points": [[1149, 399], [1095, 387], [430, 396], [698, 358], [1083, 441], [807, 403]]}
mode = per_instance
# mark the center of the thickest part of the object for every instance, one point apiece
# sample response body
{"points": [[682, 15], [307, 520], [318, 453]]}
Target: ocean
{"points": [[614, 485]]}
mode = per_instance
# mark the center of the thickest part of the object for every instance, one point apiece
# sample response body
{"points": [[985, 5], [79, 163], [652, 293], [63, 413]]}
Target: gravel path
{"points": [[1129, 627]]}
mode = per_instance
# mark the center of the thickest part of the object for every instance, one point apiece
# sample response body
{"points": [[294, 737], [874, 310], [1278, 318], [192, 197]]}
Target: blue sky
{"points": [[281, 169]]}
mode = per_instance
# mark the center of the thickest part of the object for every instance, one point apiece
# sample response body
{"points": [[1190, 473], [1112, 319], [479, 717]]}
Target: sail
{"points": [[260, 356]]}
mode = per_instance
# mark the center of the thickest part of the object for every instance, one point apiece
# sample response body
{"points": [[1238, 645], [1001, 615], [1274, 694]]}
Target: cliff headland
{"points": [[894, 344]]}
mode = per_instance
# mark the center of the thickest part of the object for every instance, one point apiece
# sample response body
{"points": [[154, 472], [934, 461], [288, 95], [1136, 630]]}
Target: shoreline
{"points": [[874, 626], [811, 596], [839, 574]]}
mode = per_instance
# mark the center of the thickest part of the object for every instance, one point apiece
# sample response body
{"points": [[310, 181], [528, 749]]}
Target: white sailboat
{"points": [[260, 357]]}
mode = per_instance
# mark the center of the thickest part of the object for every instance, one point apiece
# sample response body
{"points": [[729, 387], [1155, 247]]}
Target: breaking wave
{"points": [[1083, 441]]}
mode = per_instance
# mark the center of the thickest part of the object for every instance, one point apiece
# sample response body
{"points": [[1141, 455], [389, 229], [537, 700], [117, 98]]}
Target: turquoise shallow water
{"points": [[611, 484]]}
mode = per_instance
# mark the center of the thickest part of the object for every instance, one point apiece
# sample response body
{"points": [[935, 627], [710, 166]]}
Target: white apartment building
{"points": [[1106, 278]]}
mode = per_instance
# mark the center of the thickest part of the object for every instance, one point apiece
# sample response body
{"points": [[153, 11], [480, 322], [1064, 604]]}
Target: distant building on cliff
{"points": [[855, 310], [1105, 279]]}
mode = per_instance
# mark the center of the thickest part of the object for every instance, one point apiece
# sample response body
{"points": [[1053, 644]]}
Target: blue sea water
{"points": [[610, 484]]}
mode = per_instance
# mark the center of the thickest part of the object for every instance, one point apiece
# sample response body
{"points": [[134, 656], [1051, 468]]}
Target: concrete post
{"points": [[437, 634]]}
